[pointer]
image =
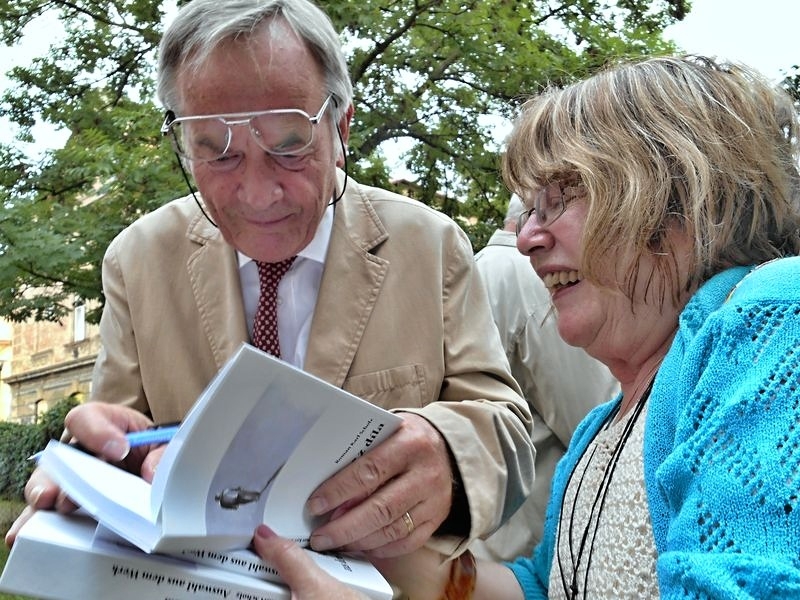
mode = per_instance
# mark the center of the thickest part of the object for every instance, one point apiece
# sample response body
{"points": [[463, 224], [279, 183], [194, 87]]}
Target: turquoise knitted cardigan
{"points": [[721, 446]]}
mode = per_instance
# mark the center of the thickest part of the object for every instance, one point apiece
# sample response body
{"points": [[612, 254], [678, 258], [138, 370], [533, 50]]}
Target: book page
{"points": [[338, 438], [238, 443], [119, 498], [258, 441]]}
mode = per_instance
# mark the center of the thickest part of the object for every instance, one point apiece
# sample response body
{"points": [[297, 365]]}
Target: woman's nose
{"points": [[533, 236]]}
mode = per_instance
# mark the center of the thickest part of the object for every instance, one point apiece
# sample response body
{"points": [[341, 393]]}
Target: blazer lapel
{"points": [[214, 275], [350, 287]]}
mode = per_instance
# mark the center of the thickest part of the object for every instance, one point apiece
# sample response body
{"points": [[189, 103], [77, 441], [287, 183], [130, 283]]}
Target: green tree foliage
{"points": [[51, 423], [791, 83], [18, 441], [440, 75]]}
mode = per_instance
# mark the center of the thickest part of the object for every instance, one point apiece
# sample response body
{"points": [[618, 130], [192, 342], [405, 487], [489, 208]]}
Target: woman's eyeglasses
{"points": [[550, 202]]}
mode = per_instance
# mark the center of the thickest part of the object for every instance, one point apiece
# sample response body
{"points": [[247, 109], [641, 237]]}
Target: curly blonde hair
{"points": [[709, 146]]}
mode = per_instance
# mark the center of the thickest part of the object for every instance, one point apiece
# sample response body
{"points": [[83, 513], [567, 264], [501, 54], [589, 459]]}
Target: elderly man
{"points": [[375, 293]]}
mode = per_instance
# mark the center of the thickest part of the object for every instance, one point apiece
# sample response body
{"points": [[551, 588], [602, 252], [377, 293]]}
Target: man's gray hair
{"points": [[515, 209], [202, 25]]}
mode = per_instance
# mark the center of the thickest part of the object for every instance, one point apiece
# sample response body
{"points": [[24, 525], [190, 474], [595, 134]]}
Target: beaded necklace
{"points": [[571, 588]]}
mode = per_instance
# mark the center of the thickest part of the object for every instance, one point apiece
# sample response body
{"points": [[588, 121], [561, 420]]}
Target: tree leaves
{"points": [[443, 76]]}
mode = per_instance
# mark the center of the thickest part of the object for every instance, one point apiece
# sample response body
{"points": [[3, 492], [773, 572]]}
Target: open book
{"points": [[61, 557], [258, 441]]}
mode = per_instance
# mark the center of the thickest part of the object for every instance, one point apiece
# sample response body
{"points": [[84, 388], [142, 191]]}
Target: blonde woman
{"points": [[662, 213]]}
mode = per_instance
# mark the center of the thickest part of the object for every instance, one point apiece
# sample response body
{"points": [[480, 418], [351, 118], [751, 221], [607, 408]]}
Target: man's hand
{"points": [[392, 499], [40, 493], [101, 429], [306, 579]]}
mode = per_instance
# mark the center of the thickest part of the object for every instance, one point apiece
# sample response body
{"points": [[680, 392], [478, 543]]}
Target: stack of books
{"points": [[259, 440]]}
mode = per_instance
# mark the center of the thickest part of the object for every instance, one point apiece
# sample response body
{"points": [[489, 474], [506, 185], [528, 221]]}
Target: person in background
{"points": [[379, 294], [663, 214], [560, 382]]}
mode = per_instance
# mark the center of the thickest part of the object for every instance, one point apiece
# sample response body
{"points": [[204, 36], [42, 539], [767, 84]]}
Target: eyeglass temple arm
{"points": [[169, 118]]}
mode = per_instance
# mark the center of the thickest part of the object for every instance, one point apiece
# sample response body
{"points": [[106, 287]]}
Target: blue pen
{"points": [[155, 435]]}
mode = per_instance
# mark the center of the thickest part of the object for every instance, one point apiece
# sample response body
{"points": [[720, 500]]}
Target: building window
{"points": [[79, 323]]}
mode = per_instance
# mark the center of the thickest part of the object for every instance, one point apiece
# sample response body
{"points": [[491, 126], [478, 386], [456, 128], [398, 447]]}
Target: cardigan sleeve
{"points": [[725, 493]]}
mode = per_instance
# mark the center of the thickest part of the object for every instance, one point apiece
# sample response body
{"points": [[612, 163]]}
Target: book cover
{"points": [[58, 557], [258, 441]]}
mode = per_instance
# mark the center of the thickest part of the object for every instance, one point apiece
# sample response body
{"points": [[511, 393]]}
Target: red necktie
{"points": [[265, 324]]}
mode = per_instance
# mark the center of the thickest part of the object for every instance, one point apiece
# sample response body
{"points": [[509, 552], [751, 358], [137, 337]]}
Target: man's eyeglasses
{"points": [[284, 132], [550, 202]]}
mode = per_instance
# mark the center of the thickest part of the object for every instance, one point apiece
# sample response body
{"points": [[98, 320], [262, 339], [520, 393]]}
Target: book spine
{"points": [[64, 573], [361, 576], [235, 562]]}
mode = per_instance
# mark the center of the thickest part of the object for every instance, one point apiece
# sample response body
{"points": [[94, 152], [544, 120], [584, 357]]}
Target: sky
{"points": [[763, 34]]}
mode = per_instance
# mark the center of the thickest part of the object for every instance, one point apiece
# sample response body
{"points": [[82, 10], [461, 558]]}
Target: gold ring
{"points": [[409, 523]]}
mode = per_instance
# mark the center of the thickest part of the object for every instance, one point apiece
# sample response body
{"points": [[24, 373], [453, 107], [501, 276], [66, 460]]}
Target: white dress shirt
{"points": [[297, 292]]}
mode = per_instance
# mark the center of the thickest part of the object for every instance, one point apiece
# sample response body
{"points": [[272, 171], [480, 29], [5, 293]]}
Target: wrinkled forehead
{"points": [[270, 67], [240, 78]]}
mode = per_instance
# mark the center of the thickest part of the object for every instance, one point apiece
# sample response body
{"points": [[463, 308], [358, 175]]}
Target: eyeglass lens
{"points": [[208, 139], [548, 205]]}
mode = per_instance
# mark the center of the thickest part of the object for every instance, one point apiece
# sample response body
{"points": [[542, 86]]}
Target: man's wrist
{"points": [[459, 521]]}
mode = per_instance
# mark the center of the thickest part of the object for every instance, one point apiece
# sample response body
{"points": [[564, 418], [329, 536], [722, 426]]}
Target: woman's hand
{"points": [[306, 580]]}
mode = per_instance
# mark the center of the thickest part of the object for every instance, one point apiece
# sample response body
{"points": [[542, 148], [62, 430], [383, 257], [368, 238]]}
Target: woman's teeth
{"points": [[552, 280]]}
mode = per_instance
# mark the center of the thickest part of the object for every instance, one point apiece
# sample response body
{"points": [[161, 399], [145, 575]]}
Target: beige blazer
{"points": [[402, 320]]}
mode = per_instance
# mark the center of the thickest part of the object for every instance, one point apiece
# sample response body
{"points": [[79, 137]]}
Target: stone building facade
{"points": [[46, 362]]}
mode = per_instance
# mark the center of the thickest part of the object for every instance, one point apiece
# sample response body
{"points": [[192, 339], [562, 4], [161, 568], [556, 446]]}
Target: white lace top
{"points": [[618, 549]]}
